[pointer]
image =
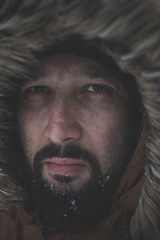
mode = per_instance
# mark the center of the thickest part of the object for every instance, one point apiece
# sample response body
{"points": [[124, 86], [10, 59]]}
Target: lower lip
{"points": [[68, 170]]}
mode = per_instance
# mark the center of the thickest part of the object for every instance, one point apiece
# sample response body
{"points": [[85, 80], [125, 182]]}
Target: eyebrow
{"points": [[42, 75], [95, 75]]}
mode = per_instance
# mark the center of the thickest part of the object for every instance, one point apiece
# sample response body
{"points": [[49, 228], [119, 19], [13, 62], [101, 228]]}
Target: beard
{"points": [[69, 210], [72, 209]]}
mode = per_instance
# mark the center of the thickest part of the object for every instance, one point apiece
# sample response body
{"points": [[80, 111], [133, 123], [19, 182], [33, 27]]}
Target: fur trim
{"points": [[128, 30]]}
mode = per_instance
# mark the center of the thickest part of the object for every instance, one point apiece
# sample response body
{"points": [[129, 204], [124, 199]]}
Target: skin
{"points": [[79, 103]]}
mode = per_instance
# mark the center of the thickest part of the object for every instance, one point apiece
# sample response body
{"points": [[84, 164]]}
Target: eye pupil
{"points": [[39, 89], [97, 88]]}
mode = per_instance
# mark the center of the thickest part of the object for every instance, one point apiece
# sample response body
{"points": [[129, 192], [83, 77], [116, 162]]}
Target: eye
{"points": [[38, 89], [96, 88]]}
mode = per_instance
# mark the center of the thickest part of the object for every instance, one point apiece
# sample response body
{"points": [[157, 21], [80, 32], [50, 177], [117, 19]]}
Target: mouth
{"points": [[64, 166]]}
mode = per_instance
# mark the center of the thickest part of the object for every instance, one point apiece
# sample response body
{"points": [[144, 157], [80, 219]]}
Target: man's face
{"points": [[75, 126]]}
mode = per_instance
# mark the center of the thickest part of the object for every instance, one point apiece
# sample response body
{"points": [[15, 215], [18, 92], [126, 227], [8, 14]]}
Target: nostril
{"points": [[68, 139]]}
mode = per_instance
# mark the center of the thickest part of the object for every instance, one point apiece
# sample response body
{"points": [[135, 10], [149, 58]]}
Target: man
{"points": [[76, 168], [78, 125], [78, 130]]}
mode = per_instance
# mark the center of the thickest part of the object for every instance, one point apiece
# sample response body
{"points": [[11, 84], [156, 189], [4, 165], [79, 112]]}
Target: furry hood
{"points": [[128, 30]]}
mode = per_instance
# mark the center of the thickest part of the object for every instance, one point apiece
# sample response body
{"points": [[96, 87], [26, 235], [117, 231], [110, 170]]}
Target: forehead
{"points": [[75, 66], [69, 60]]}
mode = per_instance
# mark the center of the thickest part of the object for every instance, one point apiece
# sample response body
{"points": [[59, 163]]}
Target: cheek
{"points": [[106, 132], [27, 122], [31, 129], [97, 129], [98, 122]]}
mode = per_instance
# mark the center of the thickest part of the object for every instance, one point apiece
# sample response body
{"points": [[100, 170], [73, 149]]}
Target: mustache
{"points": [[73, 151]]}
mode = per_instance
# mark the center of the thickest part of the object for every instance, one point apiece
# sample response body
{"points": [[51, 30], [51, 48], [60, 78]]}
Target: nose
{"points": [[62, 126]]}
